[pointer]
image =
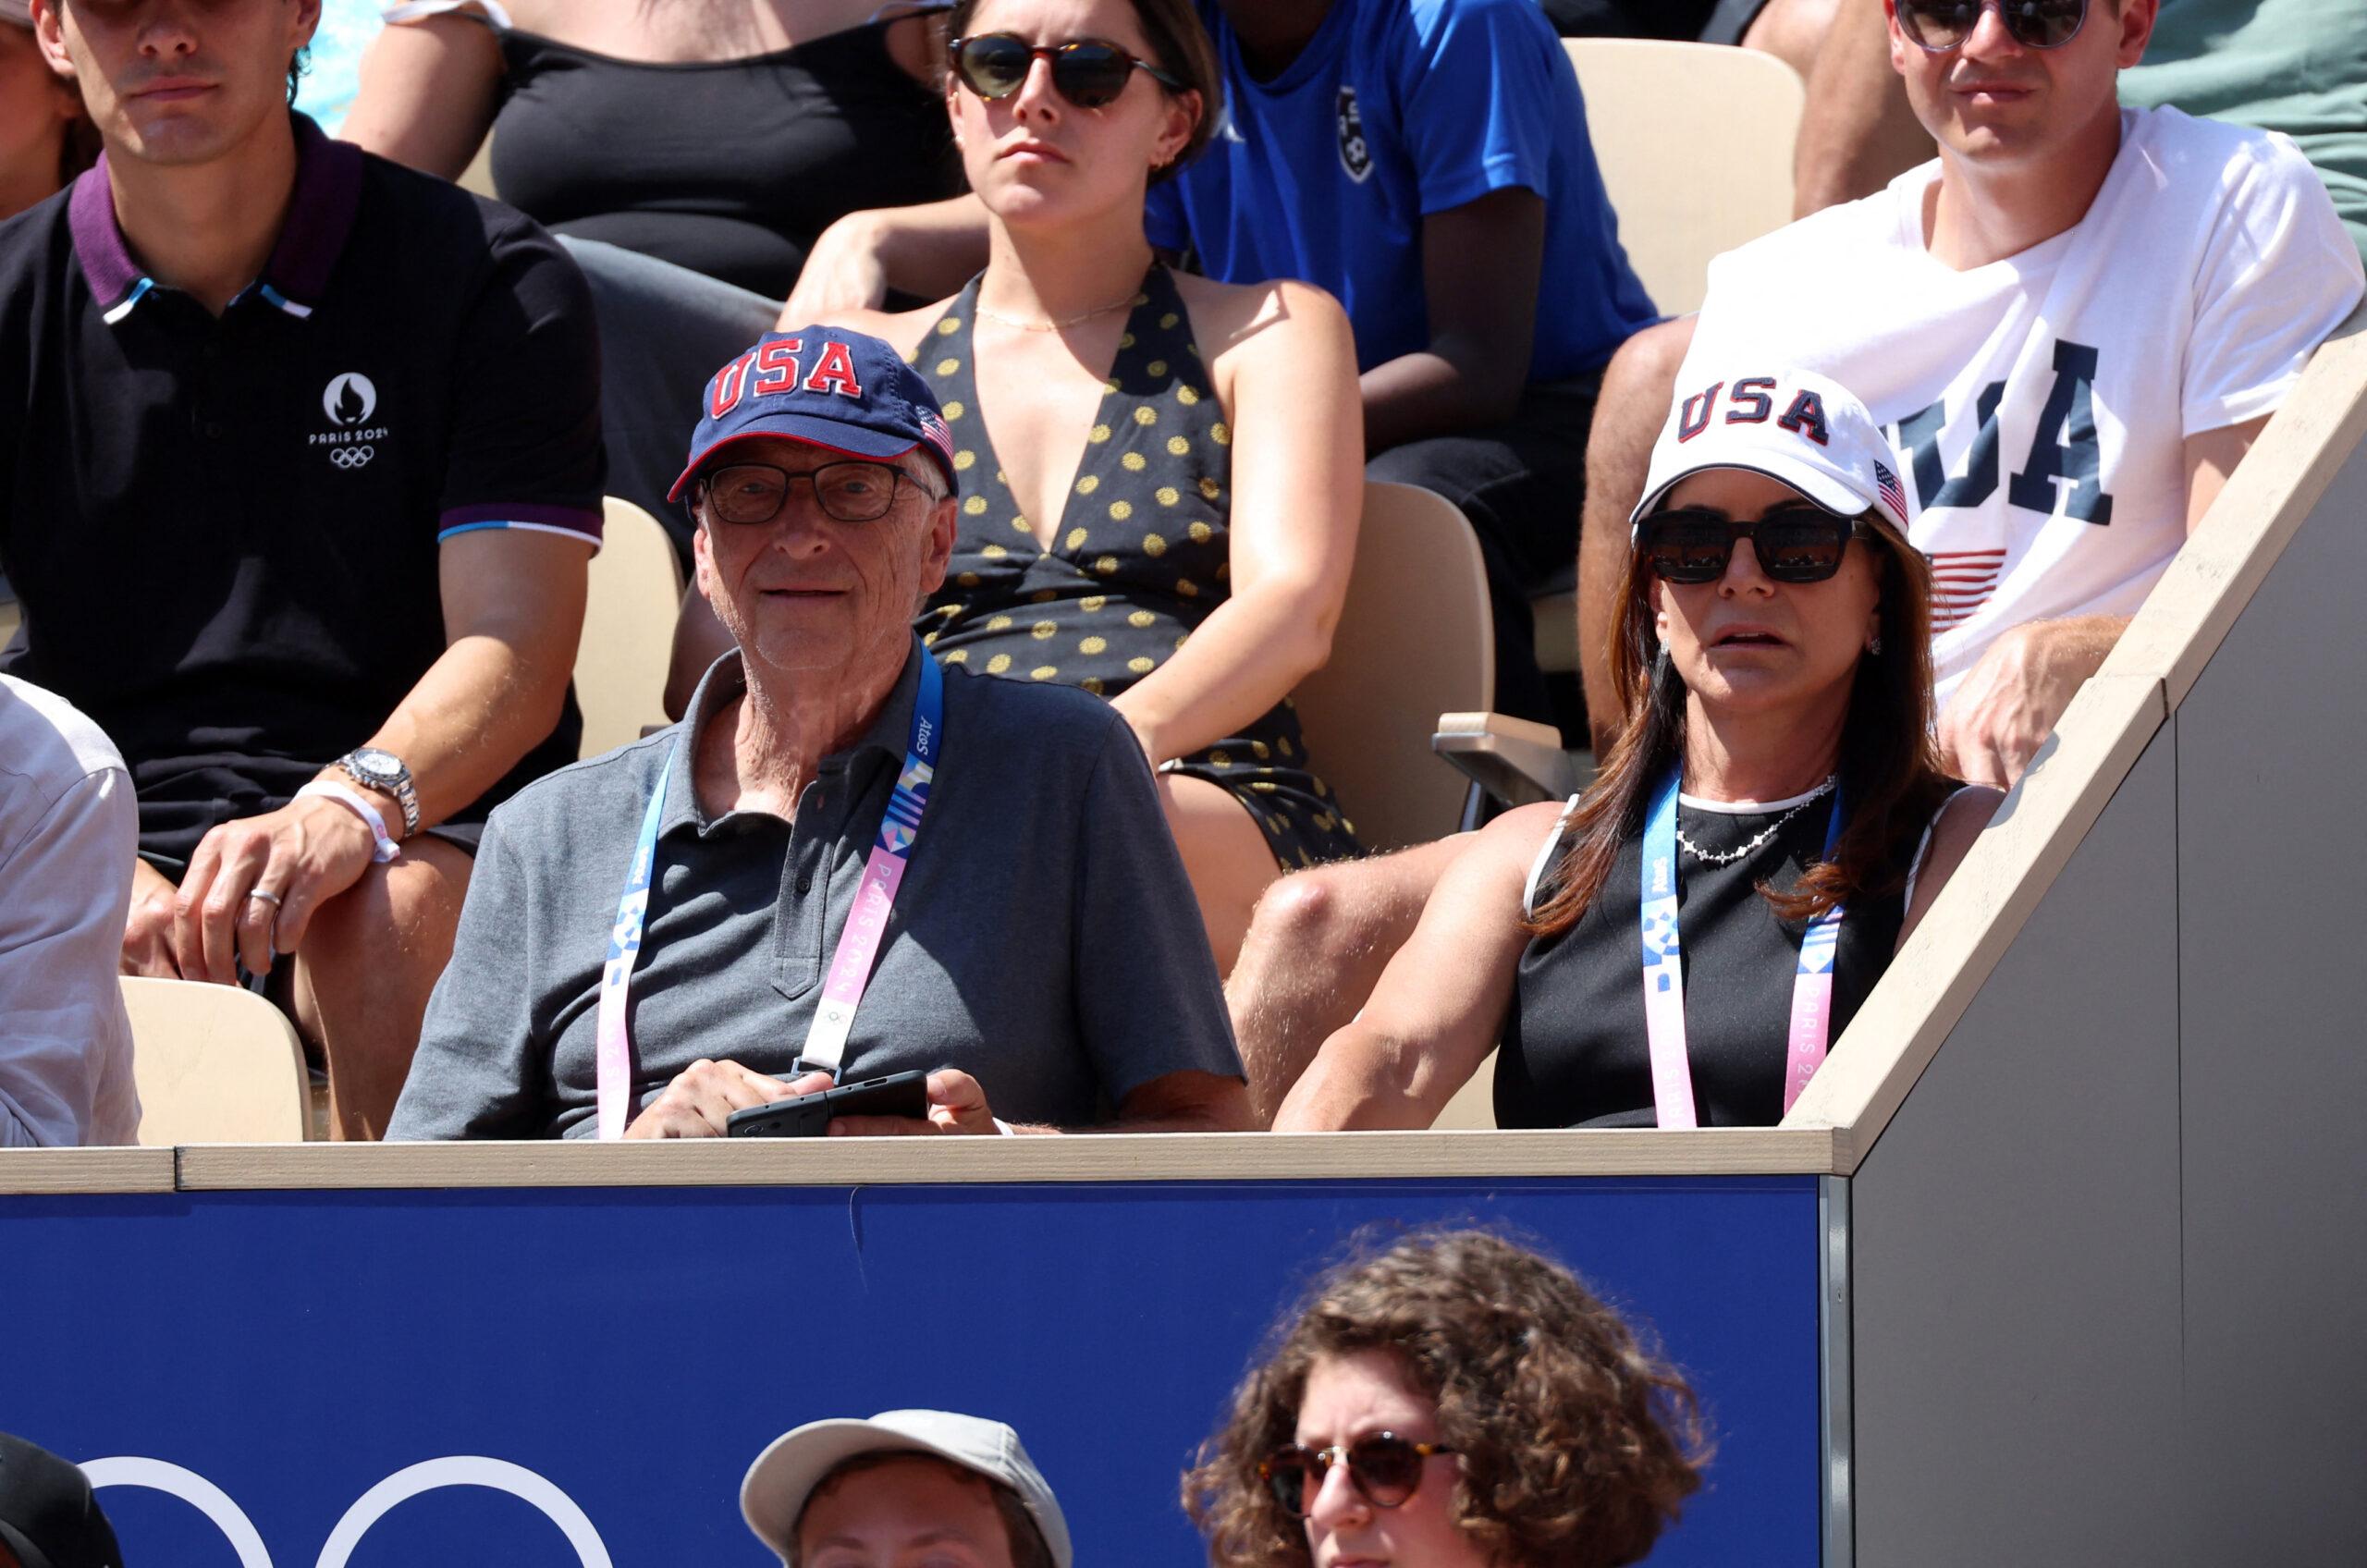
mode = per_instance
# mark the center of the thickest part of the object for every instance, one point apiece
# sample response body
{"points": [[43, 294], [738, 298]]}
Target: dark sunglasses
{"points": [[1939, 26], [754, 493], [1385, 1467], [1792, 544], [1088, 72]]}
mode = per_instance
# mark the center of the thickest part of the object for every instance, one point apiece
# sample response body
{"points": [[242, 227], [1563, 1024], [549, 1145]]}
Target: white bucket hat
{"points": [[1797, 427], [785, 1474]]}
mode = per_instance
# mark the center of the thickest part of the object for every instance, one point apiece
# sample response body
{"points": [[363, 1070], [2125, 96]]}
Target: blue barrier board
{"points": [[293, 1365]]}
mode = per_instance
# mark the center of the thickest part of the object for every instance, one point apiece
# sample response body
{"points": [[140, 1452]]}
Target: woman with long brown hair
{"points": [[1679, 945]]}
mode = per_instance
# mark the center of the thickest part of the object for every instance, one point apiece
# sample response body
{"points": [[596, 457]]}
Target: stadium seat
{"points": [[636, 591], [1413, 641], [1681, 200], [1695, 144], [214, 1065]]}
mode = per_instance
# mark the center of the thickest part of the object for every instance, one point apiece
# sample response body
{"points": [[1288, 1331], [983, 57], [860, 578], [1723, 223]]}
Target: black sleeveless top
{"points": [[1574, 1052], [1139, 560], [729, 167]]}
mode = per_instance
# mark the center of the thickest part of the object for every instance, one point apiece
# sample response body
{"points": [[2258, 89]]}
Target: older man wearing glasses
{"points": [[843, 862]]}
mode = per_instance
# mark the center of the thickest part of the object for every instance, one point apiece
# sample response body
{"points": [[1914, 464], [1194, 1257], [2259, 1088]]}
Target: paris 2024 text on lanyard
{"points": [[1811, 1025], [858, 949]]}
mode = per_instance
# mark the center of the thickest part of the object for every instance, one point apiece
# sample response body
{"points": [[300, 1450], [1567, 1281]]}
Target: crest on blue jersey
{"points": [[1355, 155]]}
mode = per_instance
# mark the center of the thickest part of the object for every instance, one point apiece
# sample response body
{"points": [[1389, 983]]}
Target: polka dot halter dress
{"points": [[1138, 562]]}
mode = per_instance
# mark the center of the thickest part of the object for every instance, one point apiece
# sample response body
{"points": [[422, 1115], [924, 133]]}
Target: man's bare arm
{"points": [[513, 613], [1859, 132], [930, 250], [2010, 701]]}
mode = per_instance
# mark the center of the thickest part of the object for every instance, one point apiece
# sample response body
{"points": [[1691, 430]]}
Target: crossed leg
{"points": [[1314, 952], [360, 984], [1225, 854]]}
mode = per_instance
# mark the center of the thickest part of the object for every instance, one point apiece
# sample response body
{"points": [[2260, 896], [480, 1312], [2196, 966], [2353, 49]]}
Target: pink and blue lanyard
{"points": [[1811, 1025], [858, 949]]}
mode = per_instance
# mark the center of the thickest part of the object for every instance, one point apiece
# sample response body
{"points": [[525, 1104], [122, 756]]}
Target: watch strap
{"points": [[328, 790], [397, 784]]}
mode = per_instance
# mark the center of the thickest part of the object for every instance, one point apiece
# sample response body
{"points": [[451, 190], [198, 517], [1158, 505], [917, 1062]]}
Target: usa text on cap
{"points": [[844, 392]]}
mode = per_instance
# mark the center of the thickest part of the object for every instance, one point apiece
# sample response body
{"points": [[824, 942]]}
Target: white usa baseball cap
{"points": [[777, 1484], [1802, 429]]}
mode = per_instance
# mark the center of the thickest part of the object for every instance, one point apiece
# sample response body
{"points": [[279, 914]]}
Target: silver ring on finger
{"points": [[271, 931]]}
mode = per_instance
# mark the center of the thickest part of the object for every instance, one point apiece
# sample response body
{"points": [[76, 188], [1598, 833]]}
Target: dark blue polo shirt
{"points": [[225, 531]]}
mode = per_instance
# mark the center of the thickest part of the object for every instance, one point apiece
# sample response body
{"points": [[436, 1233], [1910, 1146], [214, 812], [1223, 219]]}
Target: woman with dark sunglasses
{"points": [[1455, 1402], [1681, 945], [1161, 476]]}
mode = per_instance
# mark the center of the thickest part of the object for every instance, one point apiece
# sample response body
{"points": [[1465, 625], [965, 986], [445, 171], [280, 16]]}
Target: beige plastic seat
{"points": [[1413, 641], [1695, 144], [214, 1065], [636, 590], [1683, 196]]}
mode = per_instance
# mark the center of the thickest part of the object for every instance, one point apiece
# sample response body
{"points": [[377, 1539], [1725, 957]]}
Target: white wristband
{"points": [[1005, 1128], [351, 799]]}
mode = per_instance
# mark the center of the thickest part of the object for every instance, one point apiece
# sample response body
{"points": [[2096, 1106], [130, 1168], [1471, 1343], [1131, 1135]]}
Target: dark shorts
{"points": [[274, 987], [1730, 20]]}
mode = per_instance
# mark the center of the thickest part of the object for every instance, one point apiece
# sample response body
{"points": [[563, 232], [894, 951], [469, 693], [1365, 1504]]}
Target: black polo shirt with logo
{"points": [[225, 532]]}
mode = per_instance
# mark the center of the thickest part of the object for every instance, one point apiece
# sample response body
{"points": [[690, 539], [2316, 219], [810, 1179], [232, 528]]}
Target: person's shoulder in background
{"points": [[2298, 67], [1810, 248], [48, 741]]}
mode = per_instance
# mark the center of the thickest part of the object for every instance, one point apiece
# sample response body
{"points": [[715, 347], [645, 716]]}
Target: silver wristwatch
{"points": [[385, 772]]}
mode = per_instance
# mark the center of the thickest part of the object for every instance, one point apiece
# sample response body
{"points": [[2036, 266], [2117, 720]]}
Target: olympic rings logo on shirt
{"points": [[352, 457], [432, 1474]]}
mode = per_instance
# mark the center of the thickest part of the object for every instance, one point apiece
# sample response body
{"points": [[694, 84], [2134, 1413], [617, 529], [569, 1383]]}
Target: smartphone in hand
{"points": [[809, 1116]]}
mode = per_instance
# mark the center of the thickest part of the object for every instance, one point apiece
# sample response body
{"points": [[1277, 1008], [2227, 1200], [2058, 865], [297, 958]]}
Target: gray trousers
{"points": [[664, 330]]}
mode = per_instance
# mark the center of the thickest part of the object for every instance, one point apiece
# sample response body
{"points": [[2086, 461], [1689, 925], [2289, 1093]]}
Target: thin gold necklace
{"points": [[992, 314]]}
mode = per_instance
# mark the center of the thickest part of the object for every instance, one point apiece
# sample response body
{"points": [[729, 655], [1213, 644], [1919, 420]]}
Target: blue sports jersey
{"points": [[1396, 109]]}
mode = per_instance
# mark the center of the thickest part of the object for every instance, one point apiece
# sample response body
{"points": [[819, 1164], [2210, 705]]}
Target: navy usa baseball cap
{"points": [[845, 392]]}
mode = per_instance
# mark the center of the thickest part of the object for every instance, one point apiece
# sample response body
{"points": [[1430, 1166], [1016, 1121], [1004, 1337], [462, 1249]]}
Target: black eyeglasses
{"points": [[1088, 72], [754, 493], [1385, 1467], [1938, 26], [1799, 544]]}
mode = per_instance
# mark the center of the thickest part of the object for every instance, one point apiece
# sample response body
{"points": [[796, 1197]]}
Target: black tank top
{"points": [[1574, 1052], [729, 167]]}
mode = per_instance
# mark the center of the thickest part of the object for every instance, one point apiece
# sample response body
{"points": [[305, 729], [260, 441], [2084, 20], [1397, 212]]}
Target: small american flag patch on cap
{"points": [[1886, 487], [934, 429]]}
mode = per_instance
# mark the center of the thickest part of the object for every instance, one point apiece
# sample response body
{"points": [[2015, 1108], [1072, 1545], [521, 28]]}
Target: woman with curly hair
{"points": [[1455, 1402]]}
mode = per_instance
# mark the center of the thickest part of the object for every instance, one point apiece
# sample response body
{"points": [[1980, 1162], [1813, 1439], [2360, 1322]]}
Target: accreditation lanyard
{"points": [[1811, 1025], [858, 949]]}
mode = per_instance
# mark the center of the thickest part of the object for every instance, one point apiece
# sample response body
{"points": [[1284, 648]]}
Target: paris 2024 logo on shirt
{"points": [[347, 401], [1355, 156]]}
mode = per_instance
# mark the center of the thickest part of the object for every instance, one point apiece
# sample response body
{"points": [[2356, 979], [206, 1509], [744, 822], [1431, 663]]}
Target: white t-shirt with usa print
{"points": [[2039, 404]]}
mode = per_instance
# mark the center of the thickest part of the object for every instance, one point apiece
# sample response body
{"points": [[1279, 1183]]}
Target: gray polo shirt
{"points": [[1045, 938]]}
